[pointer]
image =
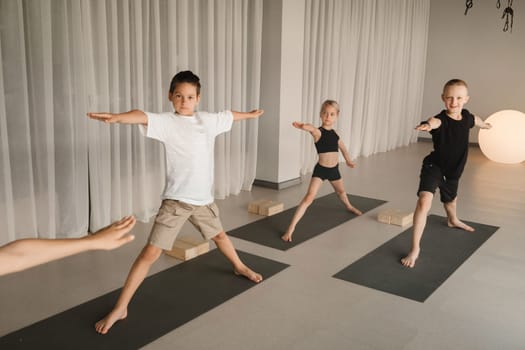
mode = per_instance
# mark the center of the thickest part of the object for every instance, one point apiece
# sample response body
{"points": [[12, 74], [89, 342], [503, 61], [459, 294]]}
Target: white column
{"points": [[278, 161]]}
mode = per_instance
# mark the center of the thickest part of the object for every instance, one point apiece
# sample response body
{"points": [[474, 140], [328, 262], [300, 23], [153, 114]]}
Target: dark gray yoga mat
{"points": [[443, 250], [323, 214], [164, 301]]}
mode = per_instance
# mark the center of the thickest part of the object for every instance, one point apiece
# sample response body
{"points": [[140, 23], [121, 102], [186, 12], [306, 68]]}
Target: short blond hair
{"points": [[332, 103], [453, 82]]}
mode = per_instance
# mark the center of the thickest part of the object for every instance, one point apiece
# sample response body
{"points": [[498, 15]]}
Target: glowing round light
{"points": [[505, 141]]}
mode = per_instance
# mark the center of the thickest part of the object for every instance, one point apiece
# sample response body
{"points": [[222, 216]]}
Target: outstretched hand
{"points": [[114, 235], [103, 117], [298, 125], [423, 127], [257, 113]]}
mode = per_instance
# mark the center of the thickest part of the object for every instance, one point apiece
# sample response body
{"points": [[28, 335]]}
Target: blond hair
{"points": [[453, 82], [330, 103]]}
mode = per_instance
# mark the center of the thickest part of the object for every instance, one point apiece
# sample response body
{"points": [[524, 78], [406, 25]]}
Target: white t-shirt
{"points": [[189, 143]]}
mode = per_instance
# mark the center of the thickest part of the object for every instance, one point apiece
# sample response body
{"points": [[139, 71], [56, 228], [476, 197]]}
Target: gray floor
{"points": [[481, 306]]}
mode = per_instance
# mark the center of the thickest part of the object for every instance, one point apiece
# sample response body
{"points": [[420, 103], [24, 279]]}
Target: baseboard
{"points": [[277, 185]]}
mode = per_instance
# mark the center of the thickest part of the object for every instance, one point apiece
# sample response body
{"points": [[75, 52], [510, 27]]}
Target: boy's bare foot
{"points": [[410, 259], [355, 211], [461, 225], [287, 237], [248, 273], [107, 322]]}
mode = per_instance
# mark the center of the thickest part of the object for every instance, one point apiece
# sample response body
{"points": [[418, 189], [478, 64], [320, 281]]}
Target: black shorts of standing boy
{"points": [[432, 177]]}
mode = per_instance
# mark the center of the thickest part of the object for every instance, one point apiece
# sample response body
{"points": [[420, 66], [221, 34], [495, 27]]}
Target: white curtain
{"points": [[61, 173], [370, 56]]}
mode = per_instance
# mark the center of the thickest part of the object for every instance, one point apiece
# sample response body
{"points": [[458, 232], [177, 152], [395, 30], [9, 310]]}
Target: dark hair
{"points": [[186, 76], [453, 82]]}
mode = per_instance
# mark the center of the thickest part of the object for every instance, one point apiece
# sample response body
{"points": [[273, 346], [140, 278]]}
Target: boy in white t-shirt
{"points": [[189, 138]]}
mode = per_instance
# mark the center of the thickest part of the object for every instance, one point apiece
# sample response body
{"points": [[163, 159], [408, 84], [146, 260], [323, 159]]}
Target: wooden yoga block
{"points": [[186, 248], [269, 208], [395, 217], [253, 207]]}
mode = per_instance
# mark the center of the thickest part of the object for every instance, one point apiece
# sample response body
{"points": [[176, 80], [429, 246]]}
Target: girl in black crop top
{"points": [[328, 144]]}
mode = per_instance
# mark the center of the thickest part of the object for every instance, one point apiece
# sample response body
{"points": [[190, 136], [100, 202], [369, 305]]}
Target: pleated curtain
{"points": [[369, 55], [62, 174]]}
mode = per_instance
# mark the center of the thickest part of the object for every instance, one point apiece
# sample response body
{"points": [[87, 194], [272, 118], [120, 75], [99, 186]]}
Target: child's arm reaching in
{"points": [[25, 253], [132, 117]]}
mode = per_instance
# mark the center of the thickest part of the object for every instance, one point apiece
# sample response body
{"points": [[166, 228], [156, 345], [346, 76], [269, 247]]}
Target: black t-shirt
{"points": [[451, 143]]}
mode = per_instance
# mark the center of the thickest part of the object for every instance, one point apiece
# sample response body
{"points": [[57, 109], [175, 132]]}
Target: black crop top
{"points": [[328, 142]]}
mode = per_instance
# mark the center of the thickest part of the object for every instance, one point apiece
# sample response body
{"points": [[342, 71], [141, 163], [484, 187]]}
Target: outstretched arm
{"points": [[346, 155], [25, 253], [247, 115], [132, 117], [309, 128], [481, 123], [429, 124]]}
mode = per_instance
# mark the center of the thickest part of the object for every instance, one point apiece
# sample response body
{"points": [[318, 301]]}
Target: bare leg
{"points": [[341, 193], [138, 272], [315, 184], [423, 205], [224, 244], [453, 220]]}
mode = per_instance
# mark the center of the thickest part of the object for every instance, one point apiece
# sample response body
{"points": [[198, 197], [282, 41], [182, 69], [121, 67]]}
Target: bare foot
{"points": [[410, 259], [287, 237], [355, 211], [107, 322], [461, 225], [248, 273]]}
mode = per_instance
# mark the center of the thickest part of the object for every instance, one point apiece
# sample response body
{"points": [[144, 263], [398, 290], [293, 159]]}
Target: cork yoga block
{"points": [[265, 207], [395, 217], [186, 248]]}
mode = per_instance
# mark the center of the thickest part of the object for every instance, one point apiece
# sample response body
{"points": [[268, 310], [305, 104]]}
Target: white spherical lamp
{"points": [[505, 141]]}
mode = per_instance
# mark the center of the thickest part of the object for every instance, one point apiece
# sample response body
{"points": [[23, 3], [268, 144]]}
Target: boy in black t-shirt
{"points": [[444, 165]]}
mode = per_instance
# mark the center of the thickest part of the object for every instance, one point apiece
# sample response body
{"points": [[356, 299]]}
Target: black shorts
{"points": [[432, 177], [324, 173]]}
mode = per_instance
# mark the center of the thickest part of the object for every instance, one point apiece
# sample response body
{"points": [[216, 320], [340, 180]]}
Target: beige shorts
{"points": [[173, 214]]}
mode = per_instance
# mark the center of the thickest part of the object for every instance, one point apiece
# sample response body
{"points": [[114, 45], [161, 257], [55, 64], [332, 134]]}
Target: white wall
{"points": [[291, 89], [268, 141], [278, 161], [475, 48]]}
